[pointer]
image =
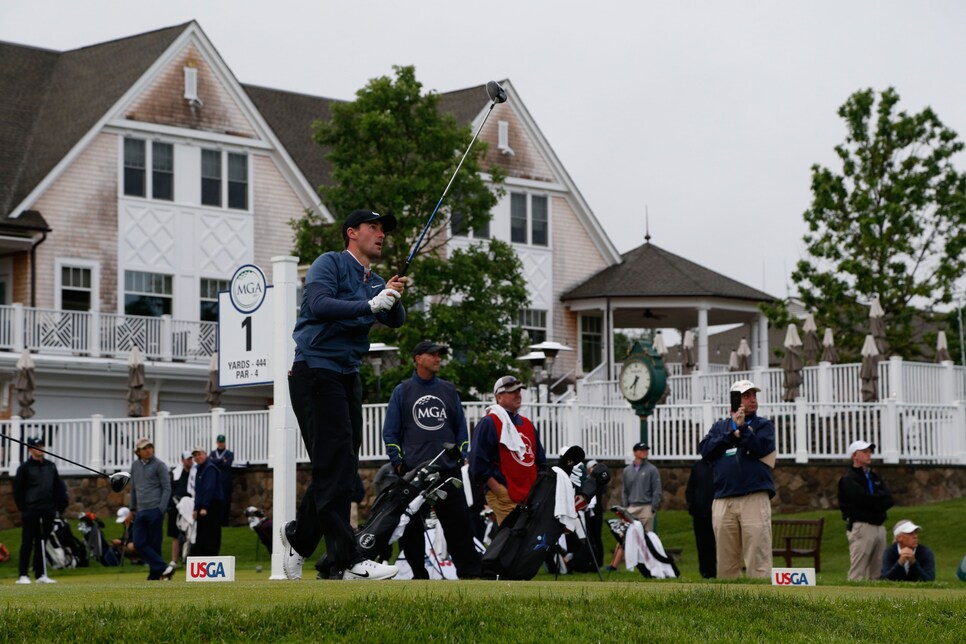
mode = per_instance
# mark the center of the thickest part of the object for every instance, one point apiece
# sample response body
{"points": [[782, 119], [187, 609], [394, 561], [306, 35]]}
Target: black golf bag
{"points": [[387, 510], [100, 550], [64, 550], [527, 535], [262, 525]]}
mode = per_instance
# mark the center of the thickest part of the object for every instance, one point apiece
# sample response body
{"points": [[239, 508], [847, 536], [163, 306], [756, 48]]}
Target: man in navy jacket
{"points": [[342, 299], [208, 503], [907, 559], [424, 413], [739, 449]]}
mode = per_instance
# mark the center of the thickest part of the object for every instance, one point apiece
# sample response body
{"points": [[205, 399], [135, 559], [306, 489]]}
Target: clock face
{"points": [[635, 380]]}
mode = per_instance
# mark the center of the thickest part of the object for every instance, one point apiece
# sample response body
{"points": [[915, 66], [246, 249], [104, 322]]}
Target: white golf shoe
{"points": [[292, 561], [44, 579], [366, 570], [24, 579]]}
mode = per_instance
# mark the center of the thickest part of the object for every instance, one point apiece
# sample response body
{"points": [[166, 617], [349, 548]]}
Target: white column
{"points": [[18, 328], [949, 383], [703, 340], [632, 434], [801, 431], [959, 431], [755, 349], [763, 341], [94, 334], [283, 425], [166, 339], [217, 420], [890, 432], [16, 433], [97, 442], [161, 443], [895, 379]]}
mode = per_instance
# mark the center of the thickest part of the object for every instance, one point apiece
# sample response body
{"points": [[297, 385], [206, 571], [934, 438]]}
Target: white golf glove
{"points": [[384, 301]]}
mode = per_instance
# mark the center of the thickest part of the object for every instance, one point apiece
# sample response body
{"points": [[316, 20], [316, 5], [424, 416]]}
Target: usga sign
{"points": [[210, 569], [792, 576]]}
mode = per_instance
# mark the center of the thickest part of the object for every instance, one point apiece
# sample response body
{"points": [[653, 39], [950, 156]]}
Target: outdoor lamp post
{"points": [[538, 374], [375, 355], [550, 350]]}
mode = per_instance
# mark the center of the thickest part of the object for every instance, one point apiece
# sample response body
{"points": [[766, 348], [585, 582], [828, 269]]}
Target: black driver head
{"points": [[496, 93], [119, 480]]}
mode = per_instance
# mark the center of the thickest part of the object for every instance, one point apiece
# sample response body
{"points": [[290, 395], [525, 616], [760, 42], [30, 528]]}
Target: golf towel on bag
{"points": [[523, 540], [644, 551]]}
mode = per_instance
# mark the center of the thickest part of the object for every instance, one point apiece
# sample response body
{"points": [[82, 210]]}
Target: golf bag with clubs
{"points": [[642, 550], [527, 535], [64, 550], [401, 502], [262, 526], [97, 545]]}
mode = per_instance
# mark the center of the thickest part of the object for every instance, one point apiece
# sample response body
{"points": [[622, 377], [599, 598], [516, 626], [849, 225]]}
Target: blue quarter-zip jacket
{"points": [[735, 461]]}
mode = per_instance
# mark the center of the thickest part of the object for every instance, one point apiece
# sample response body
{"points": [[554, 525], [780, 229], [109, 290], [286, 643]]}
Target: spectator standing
{"points": [[223, 458], [207, 505], [907, 559], [594, 488], [507, 450], [741, 450], [641, 494], [39, 494], [863, 500], [180, 477], [699, 495], [150, 493]]}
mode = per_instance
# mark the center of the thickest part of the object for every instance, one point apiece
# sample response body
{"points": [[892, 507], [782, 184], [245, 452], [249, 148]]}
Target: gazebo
{"points": [[654, 289]]}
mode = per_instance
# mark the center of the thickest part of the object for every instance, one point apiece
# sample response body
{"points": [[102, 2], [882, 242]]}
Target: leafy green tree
{"points": [[393, 151], [891, 222]]}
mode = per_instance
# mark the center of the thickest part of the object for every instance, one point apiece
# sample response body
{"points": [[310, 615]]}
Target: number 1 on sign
{"points": [[247, 325]]}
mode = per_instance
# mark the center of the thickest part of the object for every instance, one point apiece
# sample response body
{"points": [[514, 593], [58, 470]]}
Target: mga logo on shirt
{"points": [[429, 412], [792, 576], [210, 569]]}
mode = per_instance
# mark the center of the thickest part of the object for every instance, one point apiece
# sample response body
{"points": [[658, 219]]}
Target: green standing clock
{"points": [[642, 380]]}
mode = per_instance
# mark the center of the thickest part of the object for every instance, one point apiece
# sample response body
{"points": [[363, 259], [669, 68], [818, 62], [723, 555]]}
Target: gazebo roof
{"points": [[649, 271]]}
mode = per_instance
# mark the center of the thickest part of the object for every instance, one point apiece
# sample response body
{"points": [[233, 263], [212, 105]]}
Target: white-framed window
{"points": [[162, 171], [534, 322], [135, 164], [591, 341], [138, 157], [150, 294], [529, 219], [209, 298], [76, 284], [224, 179]]}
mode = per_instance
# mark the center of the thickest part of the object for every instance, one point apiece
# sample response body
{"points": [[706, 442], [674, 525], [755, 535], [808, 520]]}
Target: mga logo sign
{"points": [[247, 288], [210, 569], [793, 577]]}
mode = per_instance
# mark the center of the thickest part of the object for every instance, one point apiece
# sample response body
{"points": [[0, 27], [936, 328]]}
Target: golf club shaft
{"points": [[412, 253], [89, 469]]}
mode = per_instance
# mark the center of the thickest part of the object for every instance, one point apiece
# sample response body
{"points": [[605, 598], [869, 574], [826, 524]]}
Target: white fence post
{"points": [[632, 434], [16, 433], [18, 327], [573, 424], [890, 432], [959, 432], [217, 422], [801, 431], [707, 414], [167, 339], [697, 392], [97, 442], [895, 379], [762, 383], [824, 389], [94, 333], [161, 441], [949, 382]]}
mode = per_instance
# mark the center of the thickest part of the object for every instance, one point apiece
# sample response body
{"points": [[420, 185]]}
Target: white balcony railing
{"points": [[97, 334]]}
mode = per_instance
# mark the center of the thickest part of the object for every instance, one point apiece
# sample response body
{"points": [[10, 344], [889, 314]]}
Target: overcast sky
{"points": [[708, 114]]}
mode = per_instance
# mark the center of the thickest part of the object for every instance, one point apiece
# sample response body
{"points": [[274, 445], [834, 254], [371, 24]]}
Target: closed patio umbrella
{"points": [[24, 385], [687, 356], [810, 346], [733, 361], [869, 371], [877, 323], [135, 384], [942, 348], [744, 355], [792, 364], [829, 354], [212, 391]]}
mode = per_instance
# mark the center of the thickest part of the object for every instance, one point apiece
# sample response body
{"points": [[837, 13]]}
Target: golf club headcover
{"points": [[384, 301], [580, 502]]}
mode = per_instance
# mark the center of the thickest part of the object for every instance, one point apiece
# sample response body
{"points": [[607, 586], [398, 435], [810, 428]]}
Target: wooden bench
{"points": [[797, 538]]}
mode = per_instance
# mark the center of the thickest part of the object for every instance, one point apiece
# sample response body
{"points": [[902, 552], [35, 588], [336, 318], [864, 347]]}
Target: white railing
{"points": [[903, 432], [96, 334]]}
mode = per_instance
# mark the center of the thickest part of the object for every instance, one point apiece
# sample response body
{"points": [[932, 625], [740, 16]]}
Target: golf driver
{"points": [[118, 479], [497, 95]]}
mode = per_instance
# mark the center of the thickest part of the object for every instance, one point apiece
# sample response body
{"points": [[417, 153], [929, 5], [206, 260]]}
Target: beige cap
{"points": [[142, 443]]}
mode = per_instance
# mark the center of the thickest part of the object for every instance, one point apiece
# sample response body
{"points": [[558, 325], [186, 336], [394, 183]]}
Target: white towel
{"points": [[564, 509], [509, 435], [467, 483], [636, 552]]}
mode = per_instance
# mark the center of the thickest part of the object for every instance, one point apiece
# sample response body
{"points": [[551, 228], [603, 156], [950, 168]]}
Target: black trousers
{"points": [[208, 538], [37, 525], [704, 539], [454, 517], [595, 523], [328, 406]]}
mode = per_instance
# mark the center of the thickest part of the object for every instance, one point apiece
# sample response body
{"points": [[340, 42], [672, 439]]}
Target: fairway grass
{"points": [[96, 608]]}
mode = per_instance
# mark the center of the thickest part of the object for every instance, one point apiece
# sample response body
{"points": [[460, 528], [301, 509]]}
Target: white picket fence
{"points": [[904, 432]]}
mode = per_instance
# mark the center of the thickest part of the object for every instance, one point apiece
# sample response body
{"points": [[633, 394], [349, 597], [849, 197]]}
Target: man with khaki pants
{"points": [[864, 499], [741, 452]]}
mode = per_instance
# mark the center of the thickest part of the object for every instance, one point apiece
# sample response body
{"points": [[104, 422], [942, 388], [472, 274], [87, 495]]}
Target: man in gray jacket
{"points": [[150, 493], [642, 488]]}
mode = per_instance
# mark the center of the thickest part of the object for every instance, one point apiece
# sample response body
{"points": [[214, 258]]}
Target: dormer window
{"points": [[503, 139], [191, 87]]}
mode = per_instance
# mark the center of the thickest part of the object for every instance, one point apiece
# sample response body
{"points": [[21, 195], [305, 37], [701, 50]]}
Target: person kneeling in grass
{"points": [[907, 559]]}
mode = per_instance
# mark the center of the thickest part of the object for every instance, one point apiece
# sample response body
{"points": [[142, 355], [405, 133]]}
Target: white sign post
{"points": [[246, 322]]}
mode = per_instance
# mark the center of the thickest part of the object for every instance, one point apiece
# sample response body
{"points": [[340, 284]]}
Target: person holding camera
{"points": [[863, 500], [741, 450]]}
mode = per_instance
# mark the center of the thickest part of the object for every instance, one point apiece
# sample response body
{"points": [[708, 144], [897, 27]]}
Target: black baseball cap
{"points": [[36, 442], [638, 446], [358, 217], [428, 346]]}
